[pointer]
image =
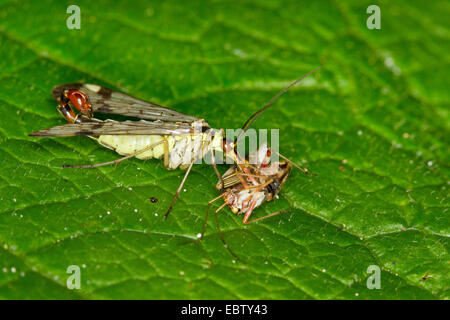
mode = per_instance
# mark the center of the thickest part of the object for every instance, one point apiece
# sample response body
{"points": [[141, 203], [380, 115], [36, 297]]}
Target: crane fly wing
{"points": [[105, 100], [110, 127]]}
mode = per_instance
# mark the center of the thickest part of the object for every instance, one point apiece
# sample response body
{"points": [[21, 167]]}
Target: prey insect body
{"points": [[248, 188], [249, 184]]}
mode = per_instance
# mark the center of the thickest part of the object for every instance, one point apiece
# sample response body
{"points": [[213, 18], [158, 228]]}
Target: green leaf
{"points": [[373, 124]]}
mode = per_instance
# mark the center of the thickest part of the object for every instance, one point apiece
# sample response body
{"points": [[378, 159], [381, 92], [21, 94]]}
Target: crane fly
{"points": [[249, 183], [161, 133]]}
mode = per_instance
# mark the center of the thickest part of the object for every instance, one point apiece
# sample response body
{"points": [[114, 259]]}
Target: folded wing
{"points": [[105, 100], [110, 127]]}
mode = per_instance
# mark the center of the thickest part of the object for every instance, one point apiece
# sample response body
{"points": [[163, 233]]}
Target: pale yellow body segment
{"points": [[182, 149], [128, 144]]}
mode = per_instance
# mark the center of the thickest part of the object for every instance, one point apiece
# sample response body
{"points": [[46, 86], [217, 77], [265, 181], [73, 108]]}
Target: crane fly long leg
{"points": [[207, 213], [179, 190], [217, 224], [221, 207], [221, 236], [117, 161], [267, 216]]}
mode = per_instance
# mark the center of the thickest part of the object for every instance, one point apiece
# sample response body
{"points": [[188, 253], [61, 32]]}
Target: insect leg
{"points": [[304, 170], [166, 152], [221, 207], [267, 216], [96, 165], [179, 190], [246, 171], [254, 202], [207, 213], [221, 236], [249, 212], [213, 160]]}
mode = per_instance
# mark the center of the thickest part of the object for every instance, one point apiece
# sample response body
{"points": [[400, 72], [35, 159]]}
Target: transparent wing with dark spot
{"points": [[109, 127], [105, 100]]}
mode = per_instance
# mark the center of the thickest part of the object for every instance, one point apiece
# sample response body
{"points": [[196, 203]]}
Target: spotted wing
{"points": [[105, 100], [110, 127]]}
